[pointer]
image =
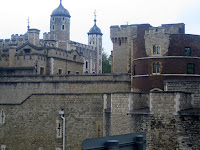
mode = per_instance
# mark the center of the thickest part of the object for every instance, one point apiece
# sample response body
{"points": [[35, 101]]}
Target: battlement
{"points": [[122, 31], [81, 46], [167, 29], [128, 31], [16, 40], [49, 36]]}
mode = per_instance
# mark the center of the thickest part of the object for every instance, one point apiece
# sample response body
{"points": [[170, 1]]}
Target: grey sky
{"points": [[14, 14]]}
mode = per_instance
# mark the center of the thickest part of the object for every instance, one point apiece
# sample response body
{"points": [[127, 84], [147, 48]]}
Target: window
{"points": [[69, 72], [63, 27], [53, 27], [63, 18], [190, 68], [156, 50], [74, 58], [59, 71], [27, 51], [156, 68], [77, 72], [58, 129], [134, 70], [120, 42], [187, 51], [41, 70], [86, 64], [2, 117]]}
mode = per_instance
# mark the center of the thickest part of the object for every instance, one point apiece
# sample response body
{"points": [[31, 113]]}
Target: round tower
{"points": [[95, 39], [60, 25]]}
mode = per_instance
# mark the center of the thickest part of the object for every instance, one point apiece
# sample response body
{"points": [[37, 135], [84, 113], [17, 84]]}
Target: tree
{"points": [[106, 63]]}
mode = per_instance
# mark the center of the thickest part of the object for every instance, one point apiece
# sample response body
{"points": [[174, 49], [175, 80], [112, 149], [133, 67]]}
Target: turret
{"points": [[60, 25], [95, 39]]}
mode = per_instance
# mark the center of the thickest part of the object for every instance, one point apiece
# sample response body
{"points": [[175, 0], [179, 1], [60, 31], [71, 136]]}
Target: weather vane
{"points": [[95, 16], [28, 23]]}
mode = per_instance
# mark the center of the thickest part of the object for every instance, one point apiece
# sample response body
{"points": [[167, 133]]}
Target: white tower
{"points": [[60, 25]]}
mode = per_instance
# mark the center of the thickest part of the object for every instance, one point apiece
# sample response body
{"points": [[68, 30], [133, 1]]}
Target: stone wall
{"points": [[190, 85], [17, 89], [33, 123], [157, 114]]}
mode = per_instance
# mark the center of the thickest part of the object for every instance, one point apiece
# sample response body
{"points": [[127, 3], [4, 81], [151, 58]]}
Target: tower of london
{"points": [[54, 54]]}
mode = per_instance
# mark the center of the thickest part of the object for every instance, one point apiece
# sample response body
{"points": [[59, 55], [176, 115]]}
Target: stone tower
{"points": [[95, 39], [60, 26]]}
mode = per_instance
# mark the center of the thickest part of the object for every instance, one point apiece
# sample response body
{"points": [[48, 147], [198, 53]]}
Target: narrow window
{"points": [[134, 70], [63, 27], [58, 129], [74, 58], [180, 30], [41, 70], [59, 71], [63, 18], [2, 117], [187, 51], [53, 27], [154, 50], [158, 50], [156, 67], [120, 42], [190, 68], [86, 64]]}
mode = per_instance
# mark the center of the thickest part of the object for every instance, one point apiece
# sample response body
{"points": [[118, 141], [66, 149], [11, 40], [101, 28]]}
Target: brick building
{"points": [[155, 54]]}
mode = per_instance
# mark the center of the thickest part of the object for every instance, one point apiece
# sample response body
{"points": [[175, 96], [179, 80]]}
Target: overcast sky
{"points": [[14, 14]]}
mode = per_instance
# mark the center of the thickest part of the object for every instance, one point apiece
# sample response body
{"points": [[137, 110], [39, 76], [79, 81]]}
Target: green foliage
{"points": [[106, 63]]}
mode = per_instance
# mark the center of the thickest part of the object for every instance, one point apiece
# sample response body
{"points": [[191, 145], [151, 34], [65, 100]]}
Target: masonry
{"points": [[167, 118], [15, 89]]}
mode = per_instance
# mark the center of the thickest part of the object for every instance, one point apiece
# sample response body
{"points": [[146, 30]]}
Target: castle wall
{"points": [[34, 124], [190, 85], [12, 89], [158, 115], [163, 116]]}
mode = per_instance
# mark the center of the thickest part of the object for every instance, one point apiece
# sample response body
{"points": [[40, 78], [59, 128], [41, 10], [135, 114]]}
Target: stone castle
{"points": [[153, 88], [55, 53]]}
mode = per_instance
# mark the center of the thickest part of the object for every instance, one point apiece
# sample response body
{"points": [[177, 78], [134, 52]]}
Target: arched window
{"points": [[63, 27], [156, 68], [156, 50], [86, 64]]}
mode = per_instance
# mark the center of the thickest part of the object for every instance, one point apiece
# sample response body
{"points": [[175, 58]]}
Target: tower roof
{"points": [[95, 29], [60, 11]]}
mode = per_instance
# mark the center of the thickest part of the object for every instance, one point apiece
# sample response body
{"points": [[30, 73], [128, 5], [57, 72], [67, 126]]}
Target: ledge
{"points": [[189, 112]]}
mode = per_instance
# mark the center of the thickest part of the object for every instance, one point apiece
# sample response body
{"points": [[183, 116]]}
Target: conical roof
{"points": [[95, 29], [60, 11]]}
